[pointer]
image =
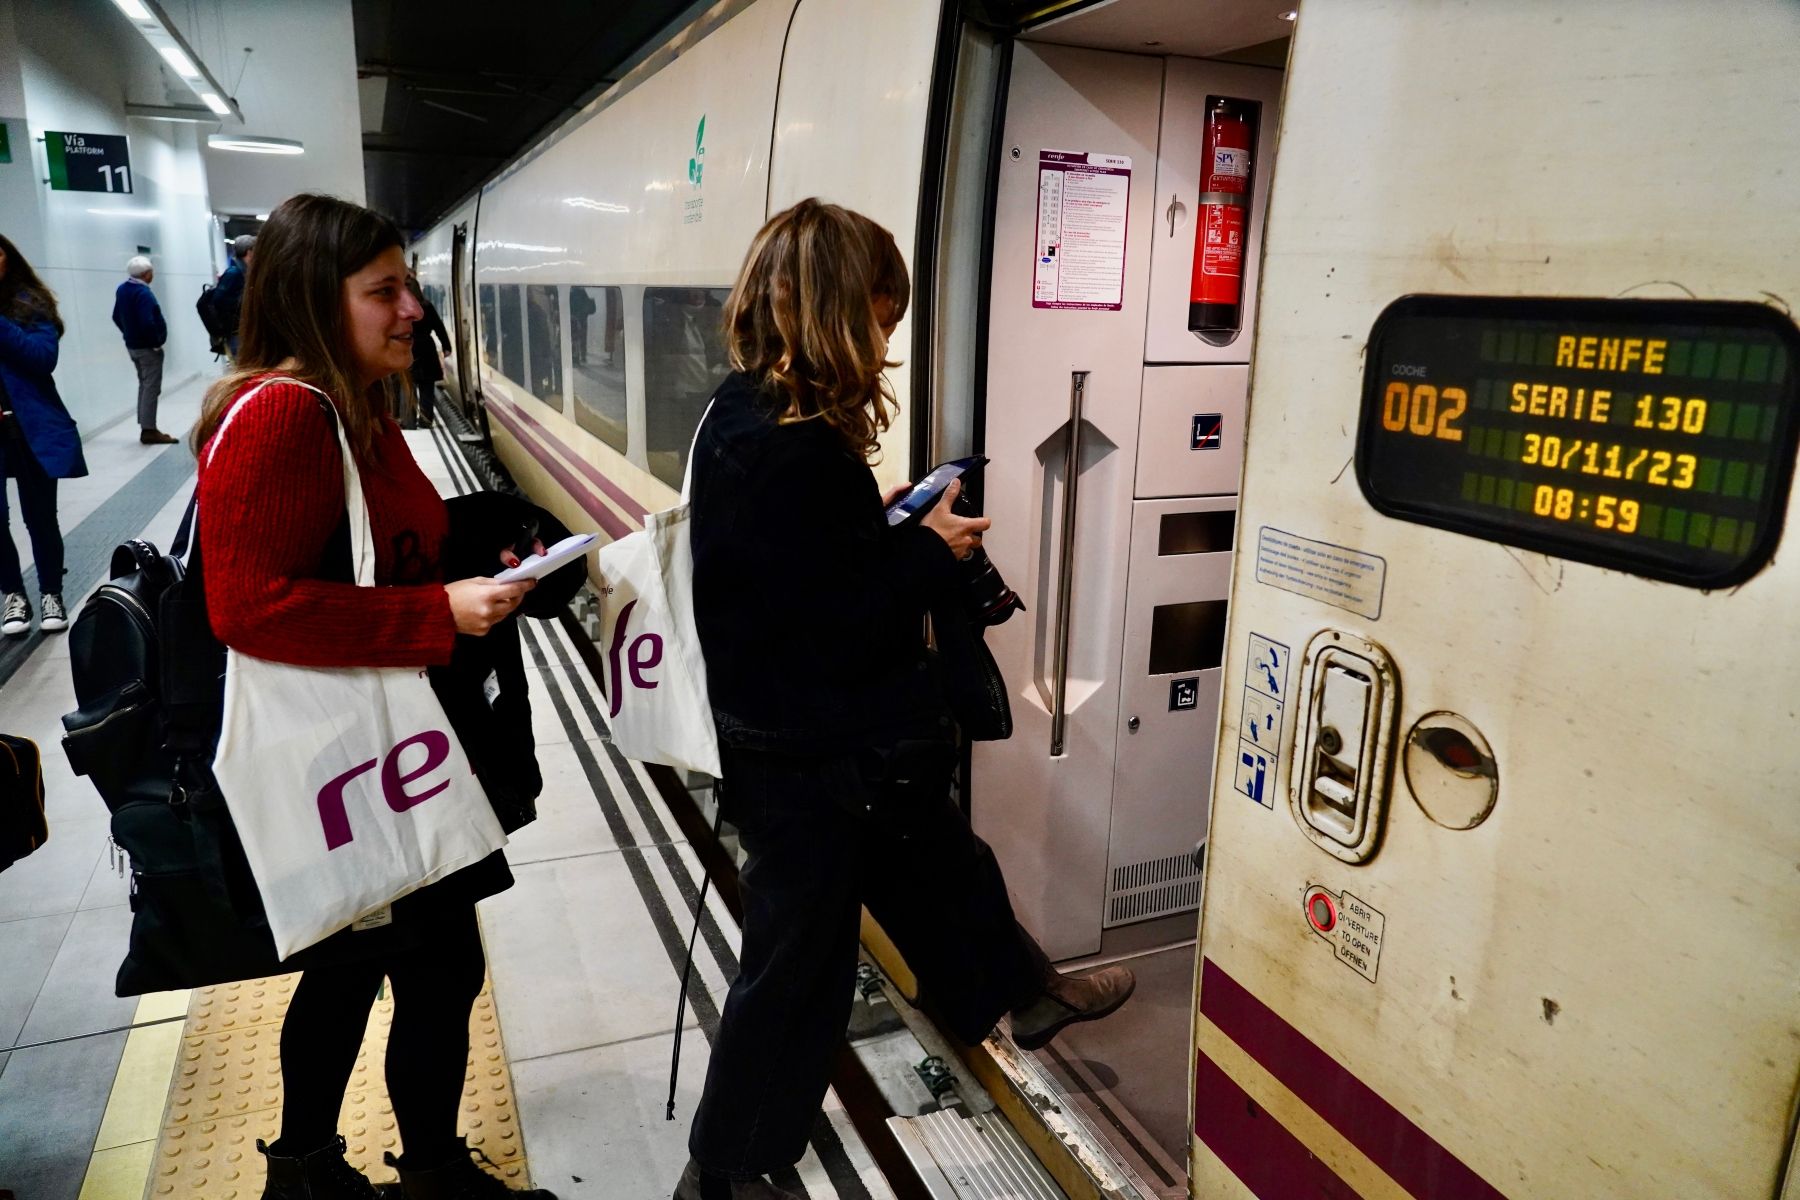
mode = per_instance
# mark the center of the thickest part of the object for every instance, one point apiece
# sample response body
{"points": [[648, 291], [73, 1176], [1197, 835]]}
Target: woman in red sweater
{"points": [[326, 304]]}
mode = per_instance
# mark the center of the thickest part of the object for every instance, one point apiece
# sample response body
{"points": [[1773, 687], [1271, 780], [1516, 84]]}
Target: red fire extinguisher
{"points": [[1216, 292]]}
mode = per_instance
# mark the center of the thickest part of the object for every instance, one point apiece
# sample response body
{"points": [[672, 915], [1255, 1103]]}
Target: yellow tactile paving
{"points": [[161, 1006], [225, 1093]]}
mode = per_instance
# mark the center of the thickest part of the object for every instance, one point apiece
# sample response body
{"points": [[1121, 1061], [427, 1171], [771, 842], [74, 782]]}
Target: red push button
{"points": [[1321, 912]]}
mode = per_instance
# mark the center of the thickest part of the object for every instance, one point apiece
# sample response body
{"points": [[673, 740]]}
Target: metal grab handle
{"points": [[1174, 208], [1065, 566]]}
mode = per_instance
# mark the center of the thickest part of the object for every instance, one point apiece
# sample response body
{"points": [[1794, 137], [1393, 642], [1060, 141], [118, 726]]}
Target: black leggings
{"points": [[428, 1047]]}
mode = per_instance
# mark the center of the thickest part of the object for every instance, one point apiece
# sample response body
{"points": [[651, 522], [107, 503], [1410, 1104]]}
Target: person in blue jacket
{"points": [[228, 293], [39, 443], [139, 317]]}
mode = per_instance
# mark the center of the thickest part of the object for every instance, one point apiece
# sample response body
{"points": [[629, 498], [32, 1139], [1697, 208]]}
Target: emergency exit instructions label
{"points": [[1339, 576], [1259, 726], [1083, 204]]}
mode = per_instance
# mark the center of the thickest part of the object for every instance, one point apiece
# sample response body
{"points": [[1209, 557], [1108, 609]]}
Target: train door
{"points": [[1114, 426], [461, 291], [1511, 905]]}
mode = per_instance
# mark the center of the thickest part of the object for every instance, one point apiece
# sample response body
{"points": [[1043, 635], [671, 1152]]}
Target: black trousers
{"points": [[814, 858], [37, 504], [435, 985]]}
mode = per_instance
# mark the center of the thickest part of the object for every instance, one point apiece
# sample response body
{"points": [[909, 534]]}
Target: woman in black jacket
{"points": [[837, 748]]}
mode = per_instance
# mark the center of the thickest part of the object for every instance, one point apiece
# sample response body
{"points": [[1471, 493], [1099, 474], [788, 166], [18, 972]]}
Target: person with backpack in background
{"points": [[227, 296], [39, 443], [427, 367], [328, 311], [140, 319]]}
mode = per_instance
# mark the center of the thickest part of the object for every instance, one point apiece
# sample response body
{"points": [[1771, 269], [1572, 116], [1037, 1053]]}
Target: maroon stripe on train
{"points": [[1259, 1150], [582, 494], [632, 504], [1410, 1156]]}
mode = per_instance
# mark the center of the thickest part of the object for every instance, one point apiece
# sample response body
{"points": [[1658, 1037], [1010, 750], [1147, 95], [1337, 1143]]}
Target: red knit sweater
{"points": [[270, 499]]}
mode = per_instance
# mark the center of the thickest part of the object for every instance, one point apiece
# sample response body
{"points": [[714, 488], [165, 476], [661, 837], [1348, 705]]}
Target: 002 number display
{"points": [[1650, 436]]}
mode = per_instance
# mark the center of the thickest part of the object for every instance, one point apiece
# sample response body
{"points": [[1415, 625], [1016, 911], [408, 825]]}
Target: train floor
{"points": [[1118, 1072], [103, 1098]]}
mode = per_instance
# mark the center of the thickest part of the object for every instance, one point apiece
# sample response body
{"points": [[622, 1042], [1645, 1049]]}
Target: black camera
{"points": [[987, 598]]}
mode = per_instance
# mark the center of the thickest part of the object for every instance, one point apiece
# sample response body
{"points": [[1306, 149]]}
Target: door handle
{"points": [[1065, 566], [1175, 207]]}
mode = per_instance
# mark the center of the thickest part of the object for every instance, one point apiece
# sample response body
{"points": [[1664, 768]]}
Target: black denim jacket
{"points": [[810, 609]]}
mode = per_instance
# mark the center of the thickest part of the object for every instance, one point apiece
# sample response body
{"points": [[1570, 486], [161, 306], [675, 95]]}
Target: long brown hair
{"points": [[293, 310], [801, 319], [23, 296]]}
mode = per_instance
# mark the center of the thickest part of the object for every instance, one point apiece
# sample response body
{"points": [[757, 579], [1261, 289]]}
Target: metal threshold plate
{"points": [[972, 1158]]}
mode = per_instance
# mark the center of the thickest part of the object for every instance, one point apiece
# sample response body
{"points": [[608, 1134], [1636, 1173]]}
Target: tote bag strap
{"points": [[356, 509], [687, 476]]}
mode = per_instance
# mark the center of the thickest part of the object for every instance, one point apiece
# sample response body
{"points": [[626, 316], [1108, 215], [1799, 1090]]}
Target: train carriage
{"points": [[1392, 408]]}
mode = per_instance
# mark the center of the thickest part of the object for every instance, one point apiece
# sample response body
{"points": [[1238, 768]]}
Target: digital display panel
{"points": [[1650, 436]]}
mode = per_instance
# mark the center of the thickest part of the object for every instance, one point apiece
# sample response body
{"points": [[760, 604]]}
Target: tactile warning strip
{"points": [[226, 1093]]}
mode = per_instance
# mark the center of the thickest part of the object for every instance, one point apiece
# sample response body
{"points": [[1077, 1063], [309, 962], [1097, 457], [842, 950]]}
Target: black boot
{"points": [[321, 1174], [696, 1184], [455, 1178]]}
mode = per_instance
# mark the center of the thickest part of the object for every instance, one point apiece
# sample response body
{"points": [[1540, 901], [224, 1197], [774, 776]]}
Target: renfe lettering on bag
{"points": [[646, 651], [332, 813]]}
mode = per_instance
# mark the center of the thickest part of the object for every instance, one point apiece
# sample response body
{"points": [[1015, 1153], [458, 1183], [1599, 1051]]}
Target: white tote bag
{"points": [[348, 787], [655, 677]]}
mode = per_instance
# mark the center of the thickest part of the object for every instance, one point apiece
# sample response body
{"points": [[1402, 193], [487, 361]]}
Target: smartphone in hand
{"points": [[925, 493]]}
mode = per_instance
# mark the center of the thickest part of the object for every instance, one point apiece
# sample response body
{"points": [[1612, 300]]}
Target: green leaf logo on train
{"points": [[696, 164]]}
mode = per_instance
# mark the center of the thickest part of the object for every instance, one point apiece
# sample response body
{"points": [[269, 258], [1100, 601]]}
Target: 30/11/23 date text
{"points": [[1610, 460]]}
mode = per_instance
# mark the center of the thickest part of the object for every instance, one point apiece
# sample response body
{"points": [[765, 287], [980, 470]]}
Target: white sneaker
{"points": [[15, 616], [52, 616]]}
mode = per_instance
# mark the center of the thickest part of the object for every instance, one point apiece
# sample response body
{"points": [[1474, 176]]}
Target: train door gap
{"points": [[1098, 806]]}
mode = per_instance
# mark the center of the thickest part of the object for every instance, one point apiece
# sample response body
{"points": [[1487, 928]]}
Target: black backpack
{"points": [[22, 825], [210, 316], [149, 679]]}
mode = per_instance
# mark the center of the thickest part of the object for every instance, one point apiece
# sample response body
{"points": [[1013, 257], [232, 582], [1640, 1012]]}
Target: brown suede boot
{"points": [[696, 1185], [1067, 999], [456, 1178]]}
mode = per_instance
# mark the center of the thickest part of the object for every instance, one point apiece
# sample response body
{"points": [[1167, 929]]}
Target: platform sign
{"points": [[1649, 436], [88, 162]]}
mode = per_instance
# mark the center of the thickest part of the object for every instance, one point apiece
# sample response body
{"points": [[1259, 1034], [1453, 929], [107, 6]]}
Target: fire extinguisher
{"points": [[1216, 292]]}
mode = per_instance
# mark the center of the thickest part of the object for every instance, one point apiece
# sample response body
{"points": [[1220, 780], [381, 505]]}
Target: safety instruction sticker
{"points": [[1349, 579], [1259, 727], [1083, 204]]}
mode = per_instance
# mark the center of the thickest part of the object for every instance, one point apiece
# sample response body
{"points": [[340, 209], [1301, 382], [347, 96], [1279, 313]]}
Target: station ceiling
{"points": [[452, 89]]}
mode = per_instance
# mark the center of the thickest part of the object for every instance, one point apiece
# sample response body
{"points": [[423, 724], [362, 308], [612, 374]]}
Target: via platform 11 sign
{"points": [[88, 162]]}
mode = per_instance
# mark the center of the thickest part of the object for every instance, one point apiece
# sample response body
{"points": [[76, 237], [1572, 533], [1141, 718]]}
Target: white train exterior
{"points": [[1589, 988]]}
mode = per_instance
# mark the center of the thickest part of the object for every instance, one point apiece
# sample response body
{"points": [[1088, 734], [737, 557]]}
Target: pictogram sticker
{"points": [[1184, 693], [1209, 431], [1259, 726]]}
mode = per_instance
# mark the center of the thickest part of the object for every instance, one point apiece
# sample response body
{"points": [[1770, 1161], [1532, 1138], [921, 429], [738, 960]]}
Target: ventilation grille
{"points": [[1154, 888]]}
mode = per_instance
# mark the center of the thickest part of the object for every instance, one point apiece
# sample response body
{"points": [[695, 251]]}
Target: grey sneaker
{"points": [[52, 616], [15, 616]]}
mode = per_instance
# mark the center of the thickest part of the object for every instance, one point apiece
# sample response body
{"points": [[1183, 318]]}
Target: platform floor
{"points": [[584, 951]]}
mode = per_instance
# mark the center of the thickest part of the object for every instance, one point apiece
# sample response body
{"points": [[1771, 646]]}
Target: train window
{"points": [[597, 354], [684, 360], [543, 339], [490, 325], [512, 335], [1187, 637], [1649, 436]]}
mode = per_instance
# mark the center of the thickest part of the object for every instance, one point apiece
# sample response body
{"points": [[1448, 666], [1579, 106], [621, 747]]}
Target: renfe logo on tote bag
{"points": [[336, 820], [644, 654]]}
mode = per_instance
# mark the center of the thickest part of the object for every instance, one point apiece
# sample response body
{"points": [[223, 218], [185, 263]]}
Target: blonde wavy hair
{"points": [[803, 319], [293, 312]]}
